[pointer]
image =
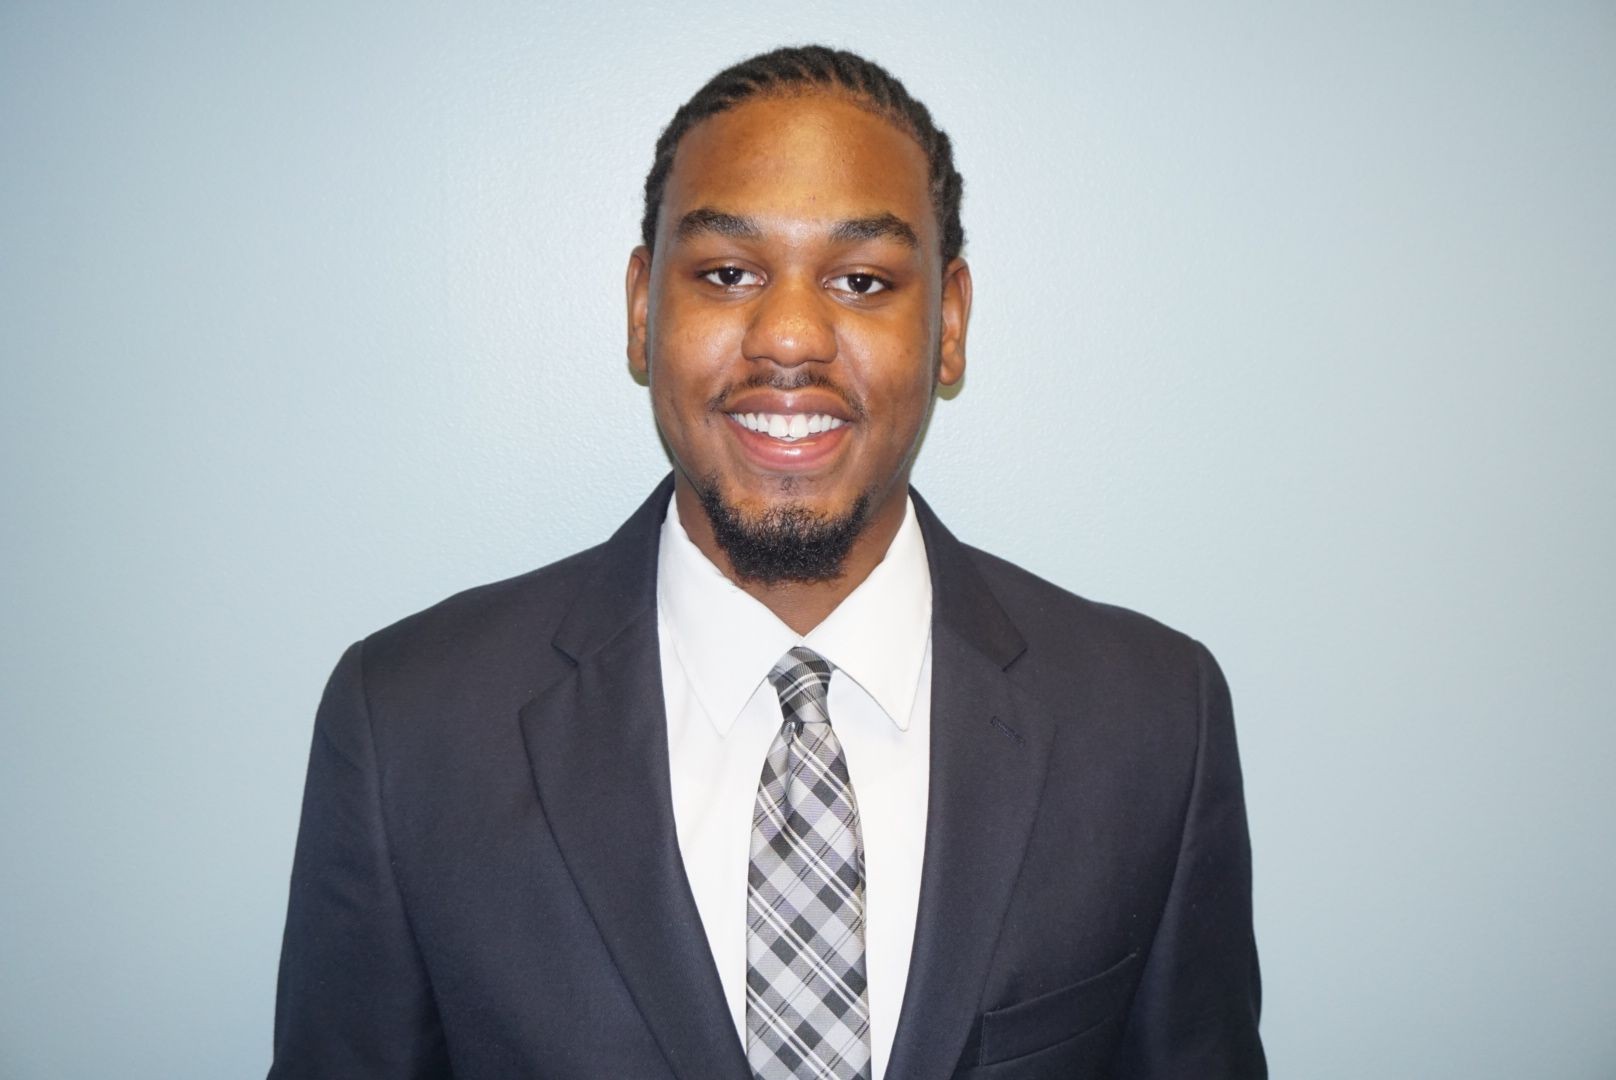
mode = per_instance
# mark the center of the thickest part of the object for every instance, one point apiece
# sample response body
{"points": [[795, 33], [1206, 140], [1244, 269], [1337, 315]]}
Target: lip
{"points": [[778, 455], [807, 401]]}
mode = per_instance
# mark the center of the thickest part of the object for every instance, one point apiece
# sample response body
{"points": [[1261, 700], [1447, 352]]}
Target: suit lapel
{"points": [[597, 743], [989, 754]]}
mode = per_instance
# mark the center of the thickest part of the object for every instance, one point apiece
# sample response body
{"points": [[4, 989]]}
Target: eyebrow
{"points": [[887, 226], [880, 227], [705, 219]]}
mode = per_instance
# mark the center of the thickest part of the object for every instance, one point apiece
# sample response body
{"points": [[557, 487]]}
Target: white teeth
{"points": [[787, 427]]}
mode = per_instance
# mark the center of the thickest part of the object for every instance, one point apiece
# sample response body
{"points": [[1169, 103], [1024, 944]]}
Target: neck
{"points": [[801, 605]]}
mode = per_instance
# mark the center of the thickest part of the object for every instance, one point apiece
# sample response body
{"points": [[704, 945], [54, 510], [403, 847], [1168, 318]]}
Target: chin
{"points": [[787, 540]]}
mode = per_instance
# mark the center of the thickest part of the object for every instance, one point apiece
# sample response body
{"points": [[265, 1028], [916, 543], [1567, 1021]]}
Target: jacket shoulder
{"points": [[1074, 640], [1030, 599], [482, 639]]}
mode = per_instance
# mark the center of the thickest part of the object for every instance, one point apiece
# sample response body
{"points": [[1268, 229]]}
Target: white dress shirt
{"points": [[718, 645]]}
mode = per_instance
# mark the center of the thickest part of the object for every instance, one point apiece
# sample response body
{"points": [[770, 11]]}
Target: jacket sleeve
{"points": [[1196, 1010], [353, 1000]]}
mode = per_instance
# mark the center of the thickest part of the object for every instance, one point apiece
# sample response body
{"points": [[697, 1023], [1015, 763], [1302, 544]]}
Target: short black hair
{"points": [[815, 67]]}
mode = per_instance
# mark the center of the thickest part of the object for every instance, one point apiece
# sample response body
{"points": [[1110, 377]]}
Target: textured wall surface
{"points": [[1294, 328]]}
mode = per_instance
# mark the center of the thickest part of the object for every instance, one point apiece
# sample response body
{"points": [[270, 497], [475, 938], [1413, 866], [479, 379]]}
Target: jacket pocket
{"points": [[1029, 1026]]}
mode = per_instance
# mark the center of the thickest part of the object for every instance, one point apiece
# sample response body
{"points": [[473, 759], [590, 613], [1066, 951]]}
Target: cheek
{"points": [[694, 328], [686, 361], [899, 376], [898, 346]]}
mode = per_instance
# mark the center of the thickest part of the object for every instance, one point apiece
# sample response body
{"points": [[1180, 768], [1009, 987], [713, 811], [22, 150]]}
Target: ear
{"points": [[637, 286], [956, 318]]}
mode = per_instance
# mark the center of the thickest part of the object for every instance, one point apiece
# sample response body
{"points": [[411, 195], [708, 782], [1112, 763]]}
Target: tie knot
{"points": [[802, 678]]}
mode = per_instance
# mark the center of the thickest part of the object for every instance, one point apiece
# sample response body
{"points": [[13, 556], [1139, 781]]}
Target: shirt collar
{"points": [[727, 641]]}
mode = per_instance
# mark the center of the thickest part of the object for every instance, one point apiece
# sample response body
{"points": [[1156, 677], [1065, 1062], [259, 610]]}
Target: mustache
{"points": [[785, 382]]}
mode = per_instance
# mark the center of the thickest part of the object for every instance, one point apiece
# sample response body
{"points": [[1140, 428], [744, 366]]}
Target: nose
{"points": [[792, 323]]}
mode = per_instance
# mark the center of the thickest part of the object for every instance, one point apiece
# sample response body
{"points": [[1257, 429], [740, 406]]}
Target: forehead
{"points": [[800, 161]]}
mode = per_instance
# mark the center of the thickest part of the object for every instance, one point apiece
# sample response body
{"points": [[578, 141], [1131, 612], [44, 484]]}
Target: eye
{"points": [[859, 284], [729, 277]]}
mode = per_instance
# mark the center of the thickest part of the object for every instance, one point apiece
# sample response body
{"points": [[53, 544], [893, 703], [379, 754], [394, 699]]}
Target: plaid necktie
{"points": [[807, 1011]]}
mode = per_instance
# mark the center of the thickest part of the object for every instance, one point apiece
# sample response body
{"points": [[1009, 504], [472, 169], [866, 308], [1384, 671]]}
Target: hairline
{"points": [[781, 91]]}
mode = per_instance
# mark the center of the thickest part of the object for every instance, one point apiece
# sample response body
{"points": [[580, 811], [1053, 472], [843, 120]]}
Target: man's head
{"points": [[804, 299]]}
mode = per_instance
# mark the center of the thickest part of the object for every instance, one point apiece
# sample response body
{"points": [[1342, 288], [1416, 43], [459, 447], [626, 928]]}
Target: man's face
{"points": [[796, 318]]}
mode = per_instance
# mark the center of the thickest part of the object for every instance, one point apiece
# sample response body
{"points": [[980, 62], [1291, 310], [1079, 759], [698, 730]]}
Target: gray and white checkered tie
{"points": [[807, 1010]]}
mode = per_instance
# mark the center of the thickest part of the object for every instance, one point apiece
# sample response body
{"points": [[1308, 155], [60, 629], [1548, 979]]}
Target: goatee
{"points": [[788, 544]]}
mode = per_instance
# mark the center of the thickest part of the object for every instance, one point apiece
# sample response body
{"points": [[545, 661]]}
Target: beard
{"points": [[789, 544]]}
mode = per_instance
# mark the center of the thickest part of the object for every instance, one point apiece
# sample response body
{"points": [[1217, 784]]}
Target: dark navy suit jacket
{"points": [[488, 884]]}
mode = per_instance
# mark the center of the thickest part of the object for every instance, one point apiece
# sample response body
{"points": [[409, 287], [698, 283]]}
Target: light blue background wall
{"points": [[1296, 327]]}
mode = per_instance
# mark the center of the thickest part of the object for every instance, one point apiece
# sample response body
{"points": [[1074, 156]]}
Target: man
{"points": [[782, 779]]}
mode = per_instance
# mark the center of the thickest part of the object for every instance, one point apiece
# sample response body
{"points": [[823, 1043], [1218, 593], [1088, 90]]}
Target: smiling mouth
{"points": [[788, 427]]}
